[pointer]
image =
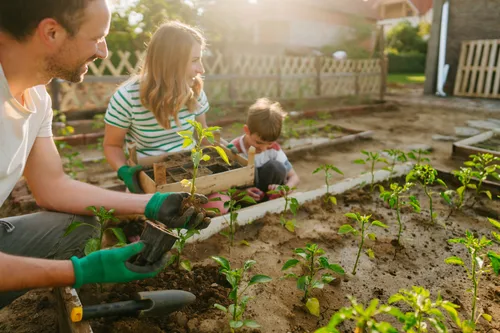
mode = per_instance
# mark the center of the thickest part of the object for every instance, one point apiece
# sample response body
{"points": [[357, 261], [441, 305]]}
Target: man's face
{"points": [[71, 61], [195, 66]]}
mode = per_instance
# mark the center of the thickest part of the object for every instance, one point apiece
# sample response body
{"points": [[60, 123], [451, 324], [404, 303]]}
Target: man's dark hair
{"points": [[19, 18]]}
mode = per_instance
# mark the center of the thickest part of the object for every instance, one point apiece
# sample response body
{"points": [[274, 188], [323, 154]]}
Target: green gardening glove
{"points": [[130, 176], [111, 265], [166, 208]]}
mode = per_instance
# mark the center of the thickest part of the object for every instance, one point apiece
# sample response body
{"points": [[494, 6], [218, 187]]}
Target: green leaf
{"points": [[251, 324], [379, 224], [372, 236], [345, 229], [360, 161], [333, 200], [290, 225], [236, 324], [120, 235], [351, 216], [336, 268], [460, 190], [244, 242], [312, 305], [454, 261], [205, 158], [71, 227], [222, 154], [91, 246], [488, 193], [187, 142], [495, 223], [495, 261], [370, 253], [185, 133], [186, 264], [487, 317], [327, 278], [290, 263], [220, 307], [440, 182], [302, 282], [222, 261], [472, 186], [259, 279]]}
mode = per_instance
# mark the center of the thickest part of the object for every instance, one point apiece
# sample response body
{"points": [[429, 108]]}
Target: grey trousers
{"points": [[40, 235]]}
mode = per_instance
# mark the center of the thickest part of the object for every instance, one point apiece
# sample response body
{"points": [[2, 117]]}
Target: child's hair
{"points": [[163, 82], [265, 118]]}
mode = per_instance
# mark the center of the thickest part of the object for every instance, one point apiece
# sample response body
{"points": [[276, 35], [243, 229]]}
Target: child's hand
{"points": [[255, 193], [274, 187]]}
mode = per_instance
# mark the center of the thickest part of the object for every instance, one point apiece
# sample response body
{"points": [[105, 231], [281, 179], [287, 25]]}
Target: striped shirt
{"points": [[126, 111]]}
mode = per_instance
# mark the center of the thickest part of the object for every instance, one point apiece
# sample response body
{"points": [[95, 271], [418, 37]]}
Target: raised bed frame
{"points": [[462, 149]]}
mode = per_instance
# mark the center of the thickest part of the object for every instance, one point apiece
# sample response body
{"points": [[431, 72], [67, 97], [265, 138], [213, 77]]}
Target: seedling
{"points": [[98, 121], [197, 154], [425, 312], [396, 155], [72, 162], [426, 175], [103, 216], [371, 158], [478, 265], [483, 168], [396, 201], [364, 222], [233, 205], [235, 278], [456, 198], [417, 156], [328, 169], [179, 245], [66, 129], [312, 263], [290, 202], [364, 318]]}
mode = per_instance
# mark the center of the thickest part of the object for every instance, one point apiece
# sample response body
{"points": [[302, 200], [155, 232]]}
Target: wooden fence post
{"points": [[278, 60], [383, 65], [318, 75], [232, 73]]}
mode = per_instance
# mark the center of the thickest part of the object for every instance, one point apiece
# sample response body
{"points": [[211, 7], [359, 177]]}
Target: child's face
{"points": [[195, 67], [255, 141]]}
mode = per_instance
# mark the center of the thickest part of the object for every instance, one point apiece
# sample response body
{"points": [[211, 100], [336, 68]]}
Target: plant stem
{"points": [[326, 181], [195, 171], [430, 203], [398, 215], [360, 247], [231, 223], [311, 276], [373, 176], [475, 283]]}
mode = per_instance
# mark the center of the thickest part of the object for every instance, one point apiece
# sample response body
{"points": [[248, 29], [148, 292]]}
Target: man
{"points": [[41, 40]]}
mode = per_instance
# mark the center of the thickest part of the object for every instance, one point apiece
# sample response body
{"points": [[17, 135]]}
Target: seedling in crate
{"points": [[364, 222], [364, 318], [396, 155], [179, 245], [233, 205], [372, 159], [103, 216], [290, 202], [417, 156], [483, 168], [426, 175], [426, 313], [478, 265], [312, 263], [397, 200], [196, 137], [235, 278], [328, 169]]}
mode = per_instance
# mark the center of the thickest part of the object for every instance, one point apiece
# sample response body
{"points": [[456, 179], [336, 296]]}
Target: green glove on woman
{"points": [[130, 176], [111, 266]]}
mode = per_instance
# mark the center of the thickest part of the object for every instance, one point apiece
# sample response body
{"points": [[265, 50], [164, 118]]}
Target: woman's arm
{"points": [[114, 138]]}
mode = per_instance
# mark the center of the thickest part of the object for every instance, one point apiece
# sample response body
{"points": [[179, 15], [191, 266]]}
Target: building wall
{"points": [[469, 20]]}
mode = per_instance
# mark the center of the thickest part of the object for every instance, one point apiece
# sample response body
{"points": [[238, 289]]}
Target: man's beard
{"points": [[72, 74]]}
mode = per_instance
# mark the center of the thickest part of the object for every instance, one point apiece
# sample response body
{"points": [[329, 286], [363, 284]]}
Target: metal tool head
{"points": [[164, 302]]}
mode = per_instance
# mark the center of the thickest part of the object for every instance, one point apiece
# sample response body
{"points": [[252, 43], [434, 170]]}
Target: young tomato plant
{"points": [[483, 168], [478, 265], [233, 205], [328, 169], [103, 216], [364, 222], [290, 202], [197, 136], [416, 155], [312, 263], [364, 318], [179, 245], [235, 278], [396, 155], [426, 175], [456, 198], [425, 312], [372, 159], [396, 201]]}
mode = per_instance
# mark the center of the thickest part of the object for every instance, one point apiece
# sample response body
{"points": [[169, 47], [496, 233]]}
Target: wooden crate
{"points": [[207, 184], [464, 148]]}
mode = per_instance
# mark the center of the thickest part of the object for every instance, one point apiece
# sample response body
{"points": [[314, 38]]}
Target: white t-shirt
{"points": [[19, 127]]}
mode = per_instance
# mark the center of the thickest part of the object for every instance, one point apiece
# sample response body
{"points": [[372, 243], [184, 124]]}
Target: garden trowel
{"points": [[145, 303]]}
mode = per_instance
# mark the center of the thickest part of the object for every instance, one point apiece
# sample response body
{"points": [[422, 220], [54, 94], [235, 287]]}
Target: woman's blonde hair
{"points": [[163, 83]]}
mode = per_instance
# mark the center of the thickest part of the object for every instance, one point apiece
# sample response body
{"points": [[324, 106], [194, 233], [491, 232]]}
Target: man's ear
{"points": [[51, 33]]}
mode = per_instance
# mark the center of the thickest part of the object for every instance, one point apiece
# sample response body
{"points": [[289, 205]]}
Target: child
{"points": [[272, 168]]}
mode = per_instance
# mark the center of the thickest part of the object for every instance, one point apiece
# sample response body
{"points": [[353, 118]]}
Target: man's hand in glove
{"points": [[166, 208]]}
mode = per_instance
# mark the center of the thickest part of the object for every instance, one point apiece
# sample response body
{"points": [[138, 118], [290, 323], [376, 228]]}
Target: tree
{"points": [[405, 38]]}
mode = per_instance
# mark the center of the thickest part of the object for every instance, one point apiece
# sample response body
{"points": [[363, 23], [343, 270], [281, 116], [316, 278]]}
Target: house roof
{"points": [[422, 6], [355, 7]]}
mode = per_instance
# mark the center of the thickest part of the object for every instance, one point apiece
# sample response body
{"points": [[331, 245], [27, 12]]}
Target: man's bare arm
{"points": [[19, 273]]}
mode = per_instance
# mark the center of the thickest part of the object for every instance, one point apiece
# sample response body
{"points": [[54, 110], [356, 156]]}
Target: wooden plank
{"points": [[69, 305], [483, 68], [160, 173], [468, 63], [217, 182], [383, 69], [491, 68], [495, 91], [474, 70]]}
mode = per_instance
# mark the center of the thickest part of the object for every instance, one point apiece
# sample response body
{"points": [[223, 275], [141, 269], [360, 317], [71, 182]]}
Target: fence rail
{"points": [[478, 73], [234, 78]]}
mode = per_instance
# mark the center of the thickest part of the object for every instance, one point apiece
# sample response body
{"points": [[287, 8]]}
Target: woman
{"points": [[150, 109]]}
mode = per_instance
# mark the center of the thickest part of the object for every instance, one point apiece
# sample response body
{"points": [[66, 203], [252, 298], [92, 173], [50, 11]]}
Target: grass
{"points": [[406, 78]]}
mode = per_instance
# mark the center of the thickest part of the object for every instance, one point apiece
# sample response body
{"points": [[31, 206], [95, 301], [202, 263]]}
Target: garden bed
{"points": [[487, 142], [277, 307]]}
